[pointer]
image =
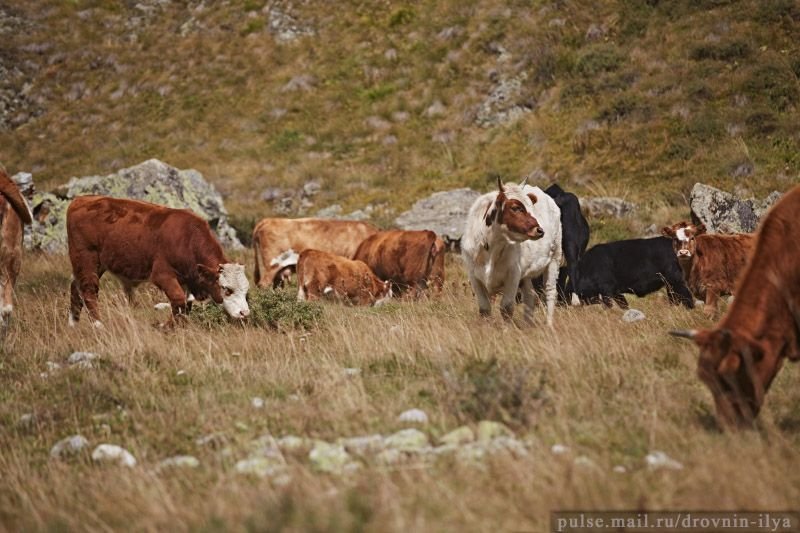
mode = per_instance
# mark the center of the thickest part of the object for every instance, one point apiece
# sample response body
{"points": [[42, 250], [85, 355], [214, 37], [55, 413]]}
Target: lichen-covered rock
{"points": [[458, 436], [364, 445], [633, 315], [294, 445], [151, 181], [68, 446], [260, 467], [488, 430], [111, 453], [330, 458], [407, 440], [606, 206], [179, 461], [413, 416], [723, 212], [442, 212]]}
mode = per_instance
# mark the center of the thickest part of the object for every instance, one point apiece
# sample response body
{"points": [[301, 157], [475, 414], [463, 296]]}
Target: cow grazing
{"points": [[574, 239], [14, 212], [710, 263], [325, 275], [272, 236], [409, 259], [742, 353], [512, 235], [138, 241], [639, 266]]}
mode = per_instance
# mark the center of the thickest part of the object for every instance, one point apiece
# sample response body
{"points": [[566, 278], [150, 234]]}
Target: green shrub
{"points": [[761, 122], [775, 82], [773, 11], [252, 26], [600, 58], [401, 16], [268, 308], [621, 108], [721, 51]]}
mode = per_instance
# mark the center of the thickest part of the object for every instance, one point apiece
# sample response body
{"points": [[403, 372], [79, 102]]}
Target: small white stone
{"points": [[162, 305], [179, 461], [111, 453], [657, 459], [257, 403], [413, 416], [351, 372], [584, 461], [619, 469], [82, 357], [180, 373], [68, 446], [559, 449], [52, 367], [632, 315]]}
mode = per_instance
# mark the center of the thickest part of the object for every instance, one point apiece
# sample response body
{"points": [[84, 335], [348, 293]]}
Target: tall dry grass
{"points": [[609, 390]]}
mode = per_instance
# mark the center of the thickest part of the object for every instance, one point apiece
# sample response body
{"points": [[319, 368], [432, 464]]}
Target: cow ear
{"points": [[493, 211], [533, 198], [667, 231], [207, 274], [700, 229]]}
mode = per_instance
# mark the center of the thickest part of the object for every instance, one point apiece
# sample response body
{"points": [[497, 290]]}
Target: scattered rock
{"points": [[82, 359], [657, 460], [606, 206], [377, 123], [619, 469], [743, 170], [723, 212], [111, 453], [462, 435], [257, 403], [489, 430], [311, 188], [301, 82], [160, 306], [414, 416], [436, 109], [504, 104], [215, 441], [559, 449], [407, 440], [364, 445], [68, 447], [179, 461], [443, 212], [294, 445], [260, 467], [632, 315], [26, 421], [352, 372], [283, 25], [151, 181], [330, 458], [584, 462], [596, 32]]}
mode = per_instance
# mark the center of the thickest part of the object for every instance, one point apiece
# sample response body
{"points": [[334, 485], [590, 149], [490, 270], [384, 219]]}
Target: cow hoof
{"points": [[97, 325]]}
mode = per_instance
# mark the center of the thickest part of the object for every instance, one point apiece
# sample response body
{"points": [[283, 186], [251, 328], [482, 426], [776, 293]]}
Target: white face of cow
{"points": [[234, 286], [386, 294]]}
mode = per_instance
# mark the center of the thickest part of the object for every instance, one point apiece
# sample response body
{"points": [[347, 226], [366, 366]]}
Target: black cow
{"points": [[574, 239], [638, 266]]}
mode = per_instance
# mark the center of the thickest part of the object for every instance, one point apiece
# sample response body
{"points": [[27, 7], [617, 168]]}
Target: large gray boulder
{"points": [[152, 181], [606, 206], [443, 212], [723, 212]]}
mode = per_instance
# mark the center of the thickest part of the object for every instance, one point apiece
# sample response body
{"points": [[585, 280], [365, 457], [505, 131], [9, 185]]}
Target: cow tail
{"points": [[11, 193], [257, 269]]}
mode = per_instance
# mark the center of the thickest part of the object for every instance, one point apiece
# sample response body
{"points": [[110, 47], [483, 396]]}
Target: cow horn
{"points": [[499, 184], [685, 333], [525, 181]]}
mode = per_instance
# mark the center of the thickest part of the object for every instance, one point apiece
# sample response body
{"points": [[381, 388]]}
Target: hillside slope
{"points": [[384, 102]]}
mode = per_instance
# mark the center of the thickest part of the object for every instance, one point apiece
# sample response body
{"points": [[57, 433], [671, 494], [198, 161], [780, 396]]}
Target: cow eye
{"points": [[516, 208], [228, 291]]}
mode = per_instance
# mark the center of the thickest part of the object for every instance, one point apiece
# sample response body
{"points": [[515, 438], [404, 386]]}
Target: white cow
{"points": [[511, 236]]}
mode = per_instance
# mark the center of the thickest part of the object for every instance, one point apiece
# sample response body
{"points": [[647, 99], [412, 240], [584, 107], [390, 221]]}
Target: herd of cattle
{"points": [[518, 240]]}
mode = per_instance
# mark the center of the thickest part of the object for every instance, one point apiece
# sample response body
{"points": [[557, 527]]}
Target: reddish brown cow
{"points": [[321, 274], [741, 355], [406, 258], [14, 213], [138, 241], [711, 264], [273, 236]]}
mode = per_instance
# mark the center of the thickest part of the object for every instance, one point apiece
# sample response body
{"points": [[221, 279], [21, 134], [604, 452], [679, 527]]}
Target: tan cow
{"points": [[273, 236], [14, 213], [139, 241], [322, 274], [409, 259]]}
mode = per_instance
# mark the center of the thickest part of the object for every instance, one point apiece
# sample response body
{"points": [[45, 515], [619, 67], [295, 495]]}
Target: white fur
{"points": [[681, 234], [232, 277], [287, 258], [497, 263]]}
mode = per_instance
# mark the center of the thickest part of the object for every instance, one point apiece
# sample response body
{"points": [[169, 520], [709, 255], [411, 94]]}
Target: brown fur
{"points": [[351, 280], [406, 258], [138, 241], [512, 213], [13, 213], [741, 355], [437, 270], [272, 236], [715, 263]]}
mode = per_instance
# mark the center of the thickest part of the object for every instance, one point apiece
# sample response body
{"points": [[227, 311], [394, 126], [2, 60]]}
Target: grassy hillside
{"points": [[388, 101], [610, 391]]}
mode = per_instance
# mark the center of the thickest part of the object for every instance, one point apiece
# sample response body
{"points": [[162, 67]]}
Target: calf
{"points": [[710, 263], [741, 355], [511, 236], [409, 259], [321, 274], [138, 241], [14, 213], [272, 236], [638, 266], [574, 239]]}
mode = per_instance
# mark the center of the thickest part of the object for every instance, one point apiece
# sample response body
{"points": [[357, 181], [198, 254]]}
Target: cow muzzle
{"points": [[536, 233]]}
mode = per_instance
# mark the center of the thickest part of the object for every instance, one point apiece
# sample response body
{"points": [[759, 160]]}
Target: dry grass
{"points": [[609, 390]]}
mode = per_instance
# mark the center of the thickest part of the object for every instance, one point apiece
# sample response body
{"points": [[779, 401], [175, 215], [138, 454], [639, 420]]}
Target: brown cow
{"points": [[741, 355], [322, 274], [138, 241], [406, 258], [14, 213], [711, 264], [273, 236]]}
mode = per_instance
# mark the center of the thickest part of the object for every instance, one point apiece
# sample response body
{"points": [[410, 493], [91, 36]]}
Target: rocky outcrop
{"points": [[723, 212], [606, 206], [151, 181], [443, 212]]}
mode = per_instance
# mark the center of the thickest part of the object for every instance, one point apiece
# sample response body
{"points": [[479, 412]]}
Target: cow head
{"points": [[738, 372], [683, 239], [227, 285], [512, 212]]}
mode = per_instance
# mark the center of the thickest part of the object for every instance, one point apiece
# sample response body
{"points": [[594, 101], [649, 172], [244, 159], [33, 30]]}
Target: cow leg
{"points": [[6, 291], [607, 301], [484, 303], [622, 302], [175, 293], [710, 307], [528, 299], [551, 280], [509, 299]]}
